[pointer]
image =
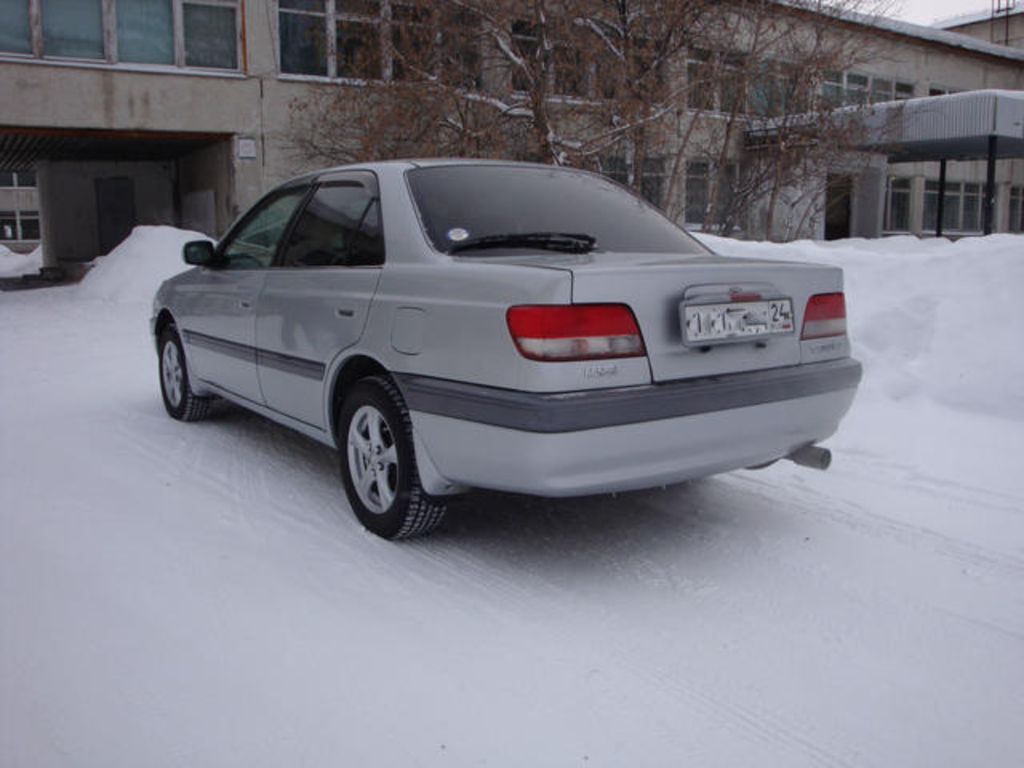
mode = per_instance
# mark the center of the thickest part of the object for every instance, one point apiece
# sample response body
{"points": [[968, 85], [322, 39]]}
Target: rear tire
{"points": [[378, 463], [179, 399]]}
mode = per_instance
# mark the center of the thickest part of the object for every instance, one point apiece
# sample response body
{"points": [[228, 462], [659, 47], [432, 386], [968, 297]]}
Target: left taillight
{"points": [[824, 316], [559, 333]]}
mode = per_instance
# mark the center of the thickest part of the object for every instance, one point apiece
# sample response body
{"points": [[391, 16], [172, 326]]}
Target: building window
{"points": [[211, 37], [15, 32], [17, 223], [832, 89], [897, 209], [856, 91], [127, 31], [697, 178], [652, 185], [145, 31], [852, 88], [653, 181], [1016, 222], [700, 84], [372, 40], [303, 29], [904, 91], [19, 180], [961, 206]]}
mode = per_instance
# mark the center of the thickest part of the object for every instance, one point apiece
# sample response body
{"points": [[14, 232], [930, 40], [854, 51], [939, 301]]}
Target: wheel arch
{"points": [[163, 319], [355, 367]]}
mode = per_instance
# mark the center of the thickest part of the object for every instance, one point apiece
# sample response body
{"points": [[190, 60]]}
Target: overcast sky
{"points": [[927, 11]]}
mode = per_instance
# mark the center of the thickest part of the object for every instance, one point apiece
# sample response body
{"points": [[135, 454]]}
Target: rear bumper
{"points": [[621, 439]]}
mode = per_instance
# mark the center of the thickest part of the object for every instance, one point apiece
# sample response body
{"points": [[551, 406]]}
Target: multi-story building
{"points": [[1002, 24], [180, 112]]}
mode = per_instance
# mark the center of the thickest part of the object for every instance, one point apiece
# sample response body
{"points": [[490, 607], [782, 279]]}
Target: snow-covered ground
{"points": [[16, 264], [199, 595]]}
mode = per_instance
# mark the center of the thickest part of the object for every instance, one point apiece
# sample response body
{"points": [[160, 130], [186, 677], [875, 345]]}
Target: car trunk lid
{"points": [[657, 286]]}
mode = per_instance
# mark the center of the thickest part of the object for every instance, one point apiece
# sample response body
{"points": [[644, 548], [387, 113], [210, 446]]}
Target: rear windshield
{"points": [[462, 202]]}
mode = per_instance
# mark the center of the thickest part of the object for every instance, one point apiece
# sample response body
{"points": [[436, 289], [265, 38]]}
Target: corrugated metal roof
{"points": [[956, 126]]}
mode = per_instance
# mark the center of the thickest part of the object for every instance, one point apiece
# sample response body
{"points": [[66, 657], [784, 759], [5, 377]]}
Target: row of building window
{"points": [[346, 39], [961, 212], [184, 33]]}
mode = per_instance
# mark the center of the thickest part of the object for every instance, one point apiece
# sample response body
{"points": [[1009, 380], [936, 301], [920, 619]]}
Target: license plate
{"points": [[737, 320]]}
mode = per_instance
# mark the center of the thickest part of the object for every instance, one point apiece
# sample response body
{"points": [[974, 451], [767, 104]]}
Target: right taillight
{"points": [[825, 316]]}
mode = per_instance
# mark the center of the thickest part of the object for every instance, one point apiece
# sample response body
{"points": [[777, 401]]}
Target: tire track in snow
{"points": [[860, 519], [760, 724]]}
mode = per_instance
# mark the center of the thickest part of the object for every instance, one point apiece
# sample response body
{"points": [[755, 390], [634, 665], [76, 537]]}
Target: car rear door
{"points": [[217, 312], [315, 302]]}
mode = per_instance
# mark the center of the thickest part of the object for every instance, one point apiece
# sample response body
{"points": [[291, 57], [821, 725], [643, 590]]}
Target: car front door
{"points": [[315, 302], [217, 312]]}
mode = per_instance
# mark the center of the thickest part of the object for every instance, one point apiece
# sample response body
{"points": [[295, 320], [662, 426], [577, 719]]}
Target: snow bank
{"points": [[927, 317], [134, 270], [15, 264]]}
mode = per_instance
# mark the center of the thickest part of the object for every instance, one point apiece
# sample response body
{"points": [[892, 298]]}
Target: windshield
{"points": [[463, 204]]}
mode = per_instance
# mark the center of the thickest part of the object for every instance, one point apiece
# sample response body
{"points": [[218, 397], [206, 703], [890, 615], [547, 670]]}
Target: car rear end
{"points": [[661, 367]]}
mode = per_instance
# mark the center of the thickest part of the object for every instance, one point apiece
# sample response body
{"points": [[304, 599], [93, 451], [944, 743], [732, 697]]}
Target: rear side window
{"points": [[339, 227], [460, 202]]}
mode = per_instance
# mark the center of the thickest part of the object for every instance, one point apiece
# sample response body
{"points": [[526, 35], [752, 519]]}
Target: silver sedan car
{"points": [[449, 325]]}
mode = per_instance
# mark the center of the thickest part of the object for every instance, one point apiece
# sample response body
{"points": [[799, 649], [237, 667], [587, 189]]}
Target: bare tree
{"points": [[639, 89]]}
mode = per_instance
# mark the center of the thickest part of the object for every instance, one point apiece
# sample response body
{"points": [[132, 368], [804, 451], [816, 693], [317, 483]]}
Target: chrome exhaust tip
{"points": [[812, 456]]}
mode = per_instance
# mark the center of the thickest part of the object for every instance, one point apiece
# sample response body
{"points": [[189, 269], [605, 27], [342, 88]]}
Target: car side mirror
{"points": [[199, 253]]}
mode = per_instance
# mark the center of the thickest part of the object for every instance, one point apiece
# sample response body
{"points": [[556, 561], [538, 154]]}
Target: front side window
{"points": [[339, 227], [459, 203], [253, 244]]}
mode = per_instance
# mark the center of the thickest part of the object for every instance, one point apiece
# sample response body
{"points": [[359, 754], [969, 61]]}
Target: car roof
{"points": [[428, 162]]}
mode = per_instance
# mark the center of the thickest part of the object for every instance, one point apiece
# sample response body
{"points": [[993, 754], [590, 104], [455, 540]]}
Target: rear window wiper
{"points": [[567, 242]]}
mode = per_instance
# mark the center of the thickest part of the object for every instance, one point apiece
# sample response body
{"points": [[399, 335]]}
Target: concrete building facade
{"points": [[179, 111]]}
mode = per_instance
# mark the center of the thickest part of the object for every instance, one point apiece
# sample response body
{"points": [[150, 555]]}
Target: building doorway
{"points": [[115, 211], [838, 207]]}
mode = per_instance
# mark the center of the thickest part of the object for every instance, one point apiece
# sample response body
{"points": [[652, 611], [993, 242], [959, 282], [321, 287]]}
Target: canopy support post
{"points": [[941, 207], [990, 185]]}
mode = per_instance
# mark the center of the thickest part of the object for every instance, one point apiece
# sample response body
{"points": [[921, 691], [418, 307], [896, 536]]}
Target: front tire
{"points": [[378, 463], [179, 400]]}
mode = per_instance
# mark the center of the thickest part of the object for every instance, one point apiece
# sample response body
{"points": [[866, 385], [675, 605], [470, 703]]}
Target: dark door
{"points": [[115, 211], [838, 194]]}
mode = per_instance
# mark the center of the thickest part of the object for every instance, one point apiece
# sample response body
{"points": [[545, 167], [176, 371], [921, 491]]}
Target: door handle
{"points": [[245, 304], [342, 312]]}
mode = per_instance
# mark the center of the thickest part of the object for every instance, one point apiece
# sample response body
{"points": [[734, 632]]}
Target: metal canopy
{"points": [[957, 126]]}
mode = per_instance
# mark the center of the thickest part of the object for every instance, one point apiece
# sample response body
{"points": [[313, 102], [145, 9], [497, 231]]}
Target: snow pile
{"points": [[927, 317], [133, 271], [16, 264]]}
